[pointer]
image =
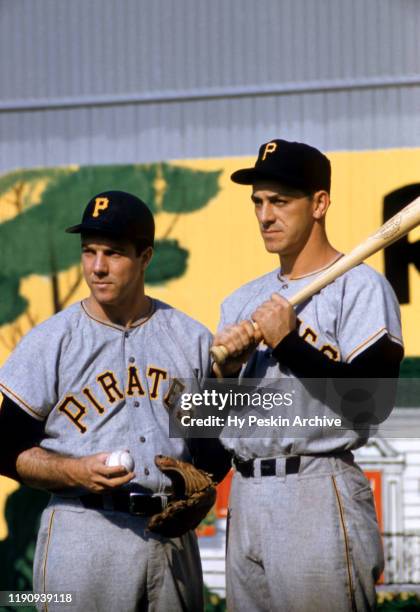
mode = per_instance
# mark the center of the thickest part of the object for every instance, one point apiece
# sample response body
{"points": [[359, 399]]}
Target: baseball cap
{"points": [[294, 164], [118, 214]]}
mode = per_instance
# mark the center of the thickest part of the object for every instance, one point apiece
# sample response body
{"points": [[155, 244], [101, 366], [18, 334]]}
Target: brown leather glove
{"points": [[194, 494]]}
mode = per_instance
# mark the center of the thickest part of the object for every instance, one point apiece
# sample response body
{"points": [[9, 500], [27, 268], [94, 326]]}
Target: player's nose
{"points": [[266, 214], [100, 264]]}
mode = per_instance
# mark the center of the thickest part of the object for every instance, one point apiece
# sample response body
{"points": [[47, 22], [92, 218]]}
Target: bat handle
{"points": [[220, 352]]}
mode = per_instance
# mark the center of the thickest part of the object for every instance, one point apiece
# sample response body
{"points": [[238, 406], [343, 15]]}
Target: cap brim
{"points": [[100, 230], [74, 229], [246, 176], [249, 176], [91, 228]]}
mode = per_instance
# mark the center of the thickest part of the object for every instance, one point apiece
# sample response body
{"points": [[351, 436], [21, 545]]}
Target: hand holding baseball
{"points": [[275, 319], [92, 473], [121, 458]]}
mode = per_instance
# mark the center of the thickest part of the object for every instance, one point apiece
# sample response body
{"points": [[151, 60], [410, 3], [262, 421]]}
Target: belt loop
{"points": [[257, 467], [164, 500], [281, 467]]}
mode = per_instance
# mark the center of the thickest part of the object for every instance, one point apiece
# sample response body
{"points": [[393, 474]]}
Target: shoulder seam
{"points": [[36, 414]]}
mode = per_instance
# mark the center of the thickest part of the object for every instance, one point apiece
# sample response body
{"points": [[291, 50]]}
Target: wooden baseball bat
{"points": [[395, 228]]}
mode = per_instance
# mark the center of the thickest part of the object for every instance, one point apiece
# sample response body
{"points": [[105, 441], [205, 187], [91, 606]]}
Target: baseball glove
{"points": [[194, 494]]}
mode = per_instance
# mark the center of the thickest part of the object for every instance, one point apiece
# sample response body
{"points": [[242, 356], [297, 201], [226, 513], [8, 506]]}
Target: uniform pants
{"points": [[109, 564], [306, 542]]}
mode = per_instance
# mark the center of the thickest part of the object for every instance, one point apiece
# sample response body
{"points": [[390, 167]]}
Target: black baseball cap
{"points": [[117, 214], [293, 164]]}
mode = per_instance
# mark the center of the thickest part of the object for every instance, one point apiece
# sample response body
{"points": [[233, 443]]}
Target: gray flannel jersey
{"points": [[342, 320], [101, 387]]}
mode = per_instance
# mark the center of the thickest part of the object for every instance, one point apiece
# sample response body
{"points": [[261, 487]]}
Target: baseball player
{"points": [[97, 377], [303, 533]]}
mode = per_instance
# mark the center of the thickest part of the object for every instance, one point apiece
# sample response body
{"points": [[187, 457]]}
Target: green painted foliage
{"points": [[34, 242], [188, 190], [12, 304], [169, 261], [11, 179], [23, 510]]}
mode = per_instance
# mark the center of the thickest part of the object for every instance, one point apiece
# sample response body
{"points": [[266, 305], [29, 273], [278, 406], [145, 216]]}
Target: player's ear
{"points": [[321, 202], [145, 257]]}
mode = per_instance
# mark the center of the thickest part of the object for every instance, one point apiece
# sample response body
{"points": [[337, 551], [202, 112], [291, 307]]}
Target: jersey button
{"points": [[126, 334], [142, 439], [137, 404], [146, 471], [131, 360]]}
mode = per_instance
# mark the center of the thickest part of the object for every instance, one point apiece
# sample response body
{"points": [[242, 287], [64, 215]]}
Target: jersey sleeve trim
{"points": [[23, 404], [363, 345]]}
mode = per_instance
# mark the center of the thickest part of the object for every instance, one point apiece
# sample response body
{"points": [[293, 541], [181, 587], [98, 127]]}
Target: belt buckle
{"points": [[132, 496]]}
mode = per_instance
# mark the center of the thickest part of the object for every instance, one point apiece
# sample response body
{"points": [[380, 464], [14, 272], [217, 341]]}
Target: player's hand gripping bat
{"points": [[398, 226]]}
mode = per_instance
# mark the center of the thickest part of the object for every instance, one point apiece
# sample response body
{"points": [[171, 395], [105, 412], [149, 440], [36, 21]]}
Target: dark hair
{"points": [[140, 246]]}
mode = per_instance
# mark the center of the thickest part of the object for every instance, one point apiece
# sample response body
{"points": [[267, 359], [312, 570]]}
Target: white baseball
{"points": [[121, 457]]}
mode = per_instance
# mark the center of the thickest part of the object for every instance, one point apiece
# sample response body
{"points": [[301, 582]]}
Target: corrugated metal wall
{"points": [[96, 81]]}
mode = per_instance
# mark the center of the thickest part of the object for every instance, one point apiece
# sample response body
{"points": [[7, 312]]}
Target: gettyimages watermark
{"points": [[291, 408]]}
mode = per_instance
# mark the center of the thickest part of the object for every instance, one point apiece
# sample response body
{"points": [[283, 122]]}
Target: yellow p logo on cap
{"points": [[270, 147], [100, 205]]}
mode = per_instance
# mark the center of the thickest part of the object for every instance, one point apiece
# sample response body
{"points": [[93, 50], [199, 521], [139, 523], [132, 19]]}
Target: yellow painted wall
{"points": [[226, 249]]}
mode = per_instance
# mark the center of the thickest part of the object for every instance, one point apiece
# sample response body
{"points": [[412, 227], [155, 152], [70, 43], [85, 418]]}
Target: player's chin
{"points": [[272, 245], [104, 295]]}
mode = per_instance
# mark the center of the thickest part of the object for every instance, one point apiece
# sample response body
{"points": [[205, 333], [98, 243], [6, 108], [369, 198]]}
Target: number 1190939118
{"points": [[23, 598]]}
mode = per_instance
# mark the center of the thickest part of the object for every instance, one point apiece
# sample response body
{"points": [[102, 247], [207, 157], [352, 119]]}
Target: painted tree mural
{"points": [[34, 242]]}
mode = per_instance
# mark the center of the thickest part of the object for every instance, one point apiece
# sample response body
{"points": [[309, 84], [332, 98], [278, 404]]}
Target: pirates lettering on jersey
{"points": [[309, 335], [157, 375], [330, 352], [109, 384], [174, 393], [172, 398], [112, 391], [134, 382], [86, 391], [75, 416]]}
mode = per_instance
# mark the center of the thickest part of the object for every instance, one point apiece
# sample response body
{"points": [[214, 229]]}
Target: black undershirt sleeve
{"points": [[364, 406], [18, 432], [380, 360]]}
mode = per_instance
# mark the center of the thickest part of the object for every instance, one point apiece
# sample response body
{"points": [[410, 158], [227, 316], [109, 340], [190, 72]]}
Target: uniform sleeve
{"points": [[369, 311], [29, 375], [205, 357], [222, 320]]}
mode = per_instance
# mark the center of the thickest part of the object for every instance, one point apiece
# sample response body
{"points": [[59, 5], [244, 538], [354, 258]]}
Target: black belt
{"points": [[125, 501], [268, 466]]}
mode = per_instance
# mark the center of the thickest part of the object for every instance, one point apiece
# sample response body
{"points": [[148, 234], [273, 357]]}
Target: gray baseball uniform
{"points": [[308, 539], [100, 387]]}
